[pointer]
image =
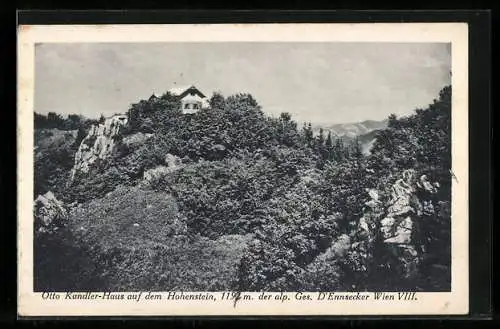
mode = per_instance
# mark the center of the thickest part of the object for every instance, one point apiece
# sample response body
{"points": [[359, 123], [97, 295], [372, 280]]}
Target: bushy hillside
{"points": [[259, 203], [54, 156], [56, 142]]}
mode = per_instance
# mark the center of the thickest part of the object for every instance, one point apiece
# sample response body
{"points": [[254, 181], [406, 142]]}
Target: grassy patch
{"points": [[138, 241]]}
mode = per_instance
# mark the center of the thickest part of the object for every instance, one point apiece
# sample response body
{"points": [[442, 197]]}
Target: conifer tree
{"points": [[320, 140], [329, 145], [308, 134], [357, 150], [338, 150]]}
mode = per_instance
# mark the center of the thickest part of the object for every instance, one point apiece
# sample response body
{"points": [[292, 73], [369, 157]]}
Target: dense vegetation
{"points": [[260, 203]]}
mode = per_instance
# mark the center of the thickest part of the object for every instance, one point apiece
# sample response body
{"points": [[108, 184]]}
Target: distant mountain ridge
{"points": [[364, 131]]}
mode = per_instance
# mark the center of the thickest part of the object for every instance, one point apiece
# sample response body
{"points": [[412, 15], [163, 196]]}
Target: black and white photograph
{"points": [[243, 166]]}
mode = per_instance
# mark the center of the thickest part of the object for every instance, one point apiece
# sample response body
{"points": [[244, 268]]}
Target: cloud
{"points": [[318, 82]]}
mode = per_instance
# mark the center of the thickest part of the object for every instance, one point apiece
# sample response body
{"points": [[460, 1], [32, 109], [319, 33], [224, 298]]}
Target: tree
{"points": [[344, 188], [242, 102], [54, 158], [329, 142], [308, 134], [421, 142], [320, 139], [217, 101], [392, 121], [40, 121], [147, 126], [357, 150], [54, 117], [285, 117], [80, 135], [52, 120], [286, 130], [73, 122], [338, 150]]}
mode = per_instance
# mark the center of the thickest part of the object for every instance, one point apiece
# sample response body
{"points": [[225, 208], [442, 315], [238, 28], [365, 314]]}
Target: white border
{"points": [[454, 302]]}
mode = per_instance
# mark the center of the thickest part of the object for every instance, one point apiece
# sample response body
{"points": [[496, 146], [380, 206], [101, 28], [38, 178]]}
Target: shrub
{"points": [[138, 239], [54, 158], [61, 265]]}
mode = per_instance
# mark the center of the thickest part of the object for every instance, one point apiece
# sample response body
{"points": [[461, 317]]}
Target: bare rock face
{"points": [[367, 224], [136, 139], [50, 213], [397, 231], [396, 220], [172, 163], [98, 144], [404, 209], [396, 227], [155, 173], [340, 247]]}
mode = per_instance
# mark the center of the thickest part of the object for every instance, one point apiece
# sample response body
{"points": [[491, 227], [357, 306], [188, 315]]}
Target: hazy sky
{"points": [[317, 82]]}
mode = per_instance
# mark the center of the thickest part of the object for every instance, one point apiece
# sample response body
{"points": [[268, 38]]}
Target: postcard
{"points": [[243, 169]]}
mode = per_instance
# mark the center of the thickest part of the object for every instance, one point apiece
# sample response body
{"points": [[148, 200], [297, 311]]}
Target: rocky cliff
{"points": [[50, 213], [396, 222], [98, 144], [387, 240]]}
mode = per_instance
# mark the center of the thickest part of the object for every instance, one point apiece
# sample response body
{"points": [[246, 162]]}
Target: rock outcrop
{"points": [[397, 220], [405, 207], [50, 213], [98, 144], [338, 248], [172, 163], [137, 139]]}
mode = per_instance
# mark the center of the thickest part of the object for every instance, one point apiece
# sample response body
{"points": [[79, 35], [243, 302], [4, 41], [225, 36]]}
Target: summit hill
{"points": [[229, 198]]}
